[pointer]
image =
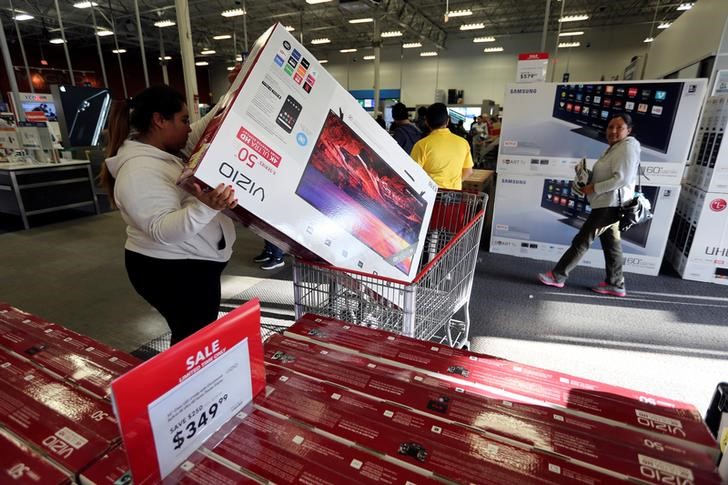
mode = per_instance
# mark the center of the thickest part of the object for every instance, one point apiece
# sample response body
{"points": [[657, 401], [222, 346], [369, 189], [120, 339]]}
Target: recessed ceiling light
{"points": [[649, 39], [477, 26], [233, 12], [238, 58], [566, 45], [346, 51], [207, 52], [323, 40], [314, 2], [484, 39], [493, 49], [201, 63], [571, 34], [20, 16], [369, 58], [361, 21], [164, 23], [428, 54], [685, 6], [411, 45], [393, 33], [166, 58], [57, 40], [119, 51], [223, 37], [104, 33], [573, 18], [290, 28], [664, 25], [85, 4], [323, 61], [230, 68], [459, 13]]}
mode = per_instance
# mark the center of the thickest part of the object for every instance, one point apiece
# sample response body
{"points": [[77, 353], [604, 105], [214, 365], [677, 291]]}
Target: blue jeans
{"points": [[273, 250]]}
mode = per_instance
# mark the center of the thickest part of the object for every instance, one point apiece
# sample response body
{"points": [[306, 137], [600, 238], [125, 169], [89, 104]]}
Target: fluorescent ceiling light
{"points": [[201, 63], [85, 4], [233, 12], [361, 21], [239, 58], [393, 33], [166, 58], [566, 45], [411, 45], [571, 34], [118, 51], [323, 61], [207, 52], [164, 23], [290, 28], [664, 25], [649, 39], [493, 49], [484, 39], [20, 16], [369, 58], [314, 2], [323, 40], [104, 33], [346, 51], [223, 37], [459, 13], [685, 6], [477, 26], [230, 68], [573, 18], [57, 40], [428, 54]]}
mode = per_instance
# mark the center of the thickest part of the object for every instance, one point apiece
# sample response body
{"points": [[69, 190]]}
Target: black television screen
{"points": [[82, 113], [652, 106]]}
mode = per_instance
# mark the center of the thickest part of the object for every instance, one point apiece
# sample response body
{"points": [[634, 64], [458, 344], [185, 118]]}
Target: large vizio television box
{"points": [[698, 246], [537, 216], [313, 172], [548, 127]]}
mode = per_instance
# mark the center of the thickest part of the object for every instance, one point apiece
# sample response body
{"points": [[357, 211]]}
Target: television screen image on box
{"points": [[348, 182], [652, 106], [46, 109], [83, 112], [558, 196]]}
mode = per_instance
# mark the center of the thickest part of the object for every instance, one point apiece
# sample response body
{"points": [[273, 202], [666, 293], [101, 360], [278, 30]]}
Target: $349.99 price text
{"points": [[195, 421]]}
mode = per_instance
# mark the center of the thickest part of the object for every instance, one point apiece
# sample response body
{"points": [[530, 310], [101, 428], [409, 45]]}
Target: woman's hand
{"points": [[588, 189], [222, 197]]}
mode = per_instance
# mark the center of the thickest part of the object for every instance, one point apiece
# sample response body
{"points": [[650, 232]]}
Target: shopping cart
{"points": [[424, 309]]}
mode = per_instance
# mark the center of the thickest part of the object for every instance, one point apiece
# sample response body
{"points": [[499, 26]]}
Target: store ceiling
{"points": [[418, 20]]}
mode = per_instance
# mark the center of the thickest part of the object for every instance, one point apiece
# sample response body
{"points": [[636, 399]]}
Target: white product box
{"points": [[548, 127], [537, 217], [313, 172], [709, 159], [699, 236]]}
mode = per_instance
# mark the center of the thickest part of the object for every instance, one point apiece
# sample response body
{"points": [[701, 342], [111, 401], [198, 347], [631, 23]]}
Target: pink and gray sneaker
{"points": [[604, 288], [550, 280]]}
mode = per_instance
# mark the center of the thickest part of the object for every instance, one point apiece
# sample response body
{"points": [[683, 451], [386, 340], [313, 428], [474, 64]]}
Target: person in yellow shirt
{"points": [[443, 155]]}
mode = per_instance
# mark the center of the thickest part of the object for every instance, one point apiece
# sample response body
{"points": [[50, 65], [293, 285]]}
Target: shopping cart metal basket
{"points": [[424, 309]]}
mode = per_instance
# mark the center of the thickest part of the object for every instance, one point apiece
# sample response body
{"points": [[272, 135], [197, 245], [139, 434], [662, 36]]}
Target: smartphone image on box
{"points": [[288, 115]]}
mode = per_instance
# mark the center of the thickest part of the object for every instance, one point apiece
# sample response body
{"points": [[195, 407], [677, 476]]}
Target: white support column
{"points": [[163, 54], [377, 63], [98, 47], [141, 43], [65, 44], [11, 73], [188, 57]]}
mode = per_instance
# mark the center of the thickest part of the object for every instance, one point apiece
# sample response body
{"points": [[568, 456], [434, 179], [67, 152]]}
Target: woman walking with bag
{"points": [[612, 182]]}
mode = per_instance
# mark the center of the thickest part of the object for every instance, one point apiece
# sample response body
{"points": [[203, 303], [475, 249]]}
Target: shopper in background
{"points": [[271, 257], [380, 121], [177, 243], [443, 155], [479, 131], [612, 183], [421, 121], [403, 130]]}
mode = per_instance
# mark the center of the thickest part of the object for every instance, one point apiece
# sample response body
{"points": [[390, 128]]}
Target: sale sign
{"points": [[532, 67], [168, 406]]}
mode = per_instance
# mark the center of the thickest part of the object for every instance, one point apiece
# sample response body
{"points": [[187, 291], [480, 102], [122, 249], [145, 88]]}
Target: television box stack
{"points": [[483, 181], [698, 240], [453, 412], [312, 171], [52, 387]]}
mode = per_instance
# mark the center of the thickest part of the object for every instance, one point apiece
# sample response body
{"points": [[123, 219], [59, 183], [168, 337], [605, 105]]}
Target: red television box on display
{"points": [[312, 171], [20, 464]]}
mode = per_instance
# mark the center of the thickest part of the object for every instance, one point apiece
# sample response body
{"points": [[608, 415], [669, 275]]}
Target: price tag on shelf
{"points": [[168, 406]]}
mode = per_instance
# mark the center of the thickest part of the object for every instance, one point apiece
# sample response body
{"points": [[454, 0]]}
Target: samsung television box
{"points": [[537, 216], [548, 127], [312, 171]]}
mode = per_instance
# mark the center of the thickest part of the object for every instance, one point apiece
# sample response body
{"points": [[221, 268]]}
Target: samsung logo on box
{"points": [[523, 91], [513, 181]]}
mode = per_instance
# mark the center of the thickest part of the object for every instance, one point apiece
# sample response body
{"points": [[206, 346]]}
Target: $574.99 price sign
{"points": [[196, 421]]}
